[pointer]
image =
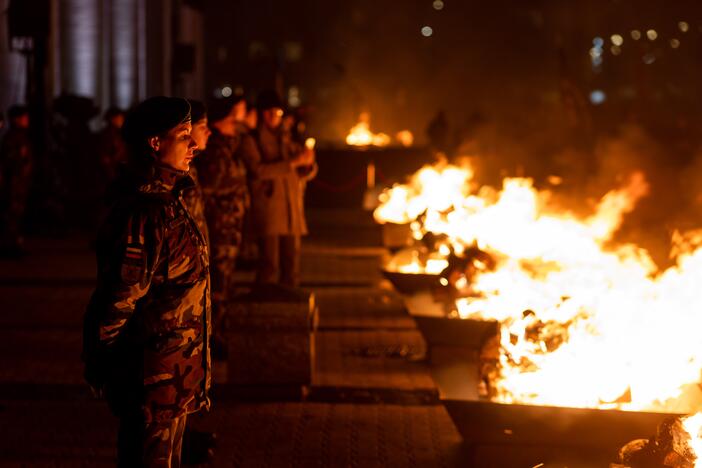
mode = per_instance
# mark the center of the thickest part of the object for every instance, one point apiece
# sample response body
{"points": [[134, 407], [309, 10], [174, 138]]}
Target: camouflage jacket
{"points": [[222, 177], [146, 330]]}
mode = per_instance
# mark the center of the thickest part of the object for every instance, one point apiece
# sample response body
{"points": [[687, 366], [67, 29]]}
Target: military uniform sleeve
{"points": [[129, 271], [256, 166]]}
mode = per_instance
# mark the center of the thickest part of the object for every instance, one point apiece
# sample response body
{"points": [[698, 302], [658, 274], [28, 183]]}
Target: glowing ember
{"points": [[583, 323], [361, 135]]}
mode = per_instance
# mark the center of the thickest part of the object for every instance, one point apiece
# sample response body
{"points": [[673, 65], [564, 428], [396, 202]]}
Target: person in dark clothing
{"points": [[223, 179], [111, 147], [278, 170], [146, 329], [16, 163], [438, 133]]}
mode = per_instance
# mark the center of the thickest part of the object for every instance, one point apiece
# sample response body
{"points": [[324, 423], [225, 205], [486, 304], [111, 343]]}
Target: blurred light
{"points": [[652, 34], [294, 96], [616, 50], [597, 97], [598, 42], [595, 52], [438, 5], [226, 91], [636, 34], [554, 180], [405, 137], [218, 93], [443, 281], [674, 43], [617, 40], [427, 31], [596, 62], [684, 27], [648, 59]]}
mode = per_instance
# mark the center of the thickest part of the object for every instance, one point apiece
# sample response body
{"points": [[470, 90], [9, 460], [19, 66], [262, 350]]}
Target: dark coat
{"points": [[277, 188]]}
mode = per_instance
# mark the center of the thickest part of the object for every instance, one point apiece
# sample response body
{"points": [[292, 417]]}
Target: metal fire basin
{"points": [[396, 236], [410, 283], [489, 424], [464, 333], [453, 352]]}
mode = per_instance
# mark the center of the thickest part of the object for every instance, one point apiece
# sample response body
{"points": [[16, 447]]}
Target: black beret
{"points": [[154, 117], [198, 111], [268, 99]]}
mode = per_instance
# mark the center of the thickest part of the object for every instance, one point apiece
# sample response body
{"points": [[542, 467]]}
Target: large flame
{"points": [[361, 135], [693, 426], [583, 323]]}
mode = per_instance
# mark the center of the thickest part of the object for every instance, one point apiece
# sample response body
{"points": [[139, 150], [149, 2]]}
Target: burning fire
{"points": [[583, 323], [361, 135], [693, 426]]}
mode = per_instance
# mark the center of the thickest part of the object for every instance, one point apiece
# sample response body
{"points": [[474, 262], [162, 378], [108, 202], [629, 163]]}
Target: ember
{"points": [[671, 446]]}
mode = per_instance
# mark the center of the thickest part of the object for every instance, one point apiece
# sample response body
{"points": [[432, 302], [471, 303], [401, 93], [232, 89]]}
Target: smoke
{"points": [[585, 168]]}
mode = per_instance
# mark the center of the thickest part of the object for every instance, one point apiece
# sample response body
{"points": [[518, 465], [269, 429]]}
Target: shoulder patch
{"points": [[133, 263]]}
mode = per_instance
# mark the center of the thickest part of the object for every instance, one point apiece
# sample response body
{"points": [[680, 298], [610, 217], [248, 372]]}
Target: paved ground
{"points": [[373, 402]]}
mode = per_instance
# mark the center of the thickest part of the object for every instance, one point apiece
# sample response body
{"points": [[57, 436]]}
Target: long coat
{"points": [[277, 188], [147, 326]]}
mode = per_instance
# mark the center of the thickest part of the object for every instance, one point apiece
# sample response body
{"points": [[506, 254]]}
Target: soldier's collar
{"points": [[164, 179]]}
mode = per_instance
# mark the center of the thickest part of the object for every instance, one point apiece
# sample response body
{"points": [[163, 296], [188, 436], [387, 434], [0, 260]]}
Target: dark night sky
{"points": [[500, 57]]}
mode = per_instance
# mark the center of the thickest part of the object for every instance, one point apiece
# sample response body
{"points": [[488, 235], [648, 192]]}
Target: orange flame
{"points": [[361, 135], [583, 323]]}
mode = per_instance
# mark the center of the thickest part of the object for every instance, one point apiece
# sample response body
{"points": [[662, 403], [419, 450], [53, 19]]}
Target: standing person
{"points": [[194, 198], [224, 186], [146, 329], [278, 171], [111, 148], [16, 162]]}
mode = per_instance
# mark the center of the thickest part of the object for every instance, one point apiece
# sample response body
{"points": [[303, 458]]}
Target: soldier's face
{"points": [[201, 133], [176, 148]]}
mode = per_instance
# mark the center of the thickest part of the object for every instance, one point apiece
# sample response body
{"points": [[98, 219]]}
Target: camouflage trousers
{"points": [[145, 445], [222, 266]]}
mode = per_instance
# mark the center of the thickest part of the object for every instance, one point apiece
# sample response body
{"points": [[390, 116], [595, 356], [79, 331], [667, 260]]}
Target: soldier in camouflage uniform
{"points": [[194, 198], [222, 176], [147, 326], [16, 163]]}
